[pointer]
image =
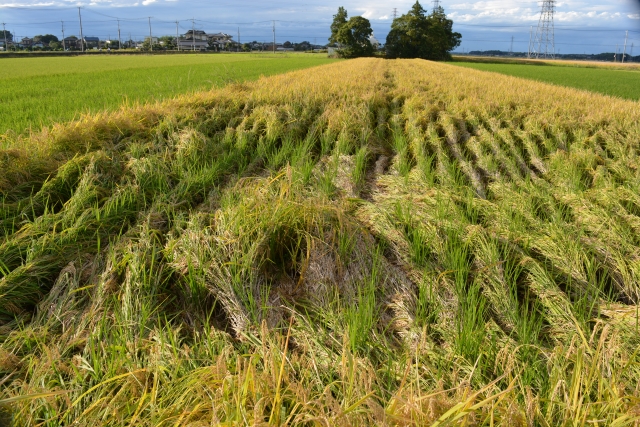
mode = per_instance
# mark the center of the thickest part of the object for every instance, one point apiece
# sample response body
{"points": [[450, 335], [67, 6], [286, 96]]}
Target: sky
{"points": [[580, 26]]}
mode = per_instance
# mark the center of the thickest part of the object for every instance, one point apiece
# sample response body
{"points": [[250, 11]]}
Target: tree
{"points": [[7, 34], [302, 46], [46, 39], [353, 37], [416, 35], [339, 20], [168, 42]]}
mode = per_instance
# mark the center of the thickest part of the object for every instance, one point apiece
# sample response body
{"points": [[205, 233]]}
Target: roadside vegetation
{"points": [[621, 80], [400, 243], [38, 92]]}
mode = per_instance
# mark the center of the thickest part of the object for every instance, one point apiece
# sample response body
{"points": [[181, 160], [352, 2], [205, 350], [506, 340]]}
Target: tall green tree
{"points": [[339, 20], [7, 34], [353, 37], [46, 39], [418, 35]]}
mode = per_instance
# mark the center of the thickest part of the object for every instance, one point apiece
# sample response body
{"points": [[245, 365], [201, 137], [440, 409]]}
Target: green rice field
{"points": [[620, 83], [37, 92]]}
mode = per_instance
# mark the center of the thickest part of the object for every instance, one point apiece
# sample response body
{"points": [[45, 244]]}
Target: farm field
{"points": [[370, 242], [37, 92], [623, 83]]}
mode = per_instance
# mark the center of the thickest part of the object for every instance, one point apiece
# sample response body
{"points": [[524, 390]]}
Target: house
{"points": [[200, 40], [220, 41], [26, 42], [154, 40], [268, 47], [193, 40], [92, 42], [70, 42]]}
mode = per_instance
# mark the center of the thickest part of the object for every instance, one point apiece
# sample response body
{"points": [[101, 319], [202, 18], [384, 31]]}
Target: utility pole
{"points": [[119, 38], [530, 35], [238, 39], [150, 37], [81, 35], [624, 52], [193, 35], [511, 47], [4, 31], [63, 44], [177, 36], [395, 13], [544, 44], [274, 36]]}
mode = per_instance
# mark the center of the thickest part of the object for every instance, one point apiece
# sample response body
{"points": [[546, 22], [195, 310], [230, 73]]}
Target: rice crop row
{"points": [[367, 243], [38, 92]]}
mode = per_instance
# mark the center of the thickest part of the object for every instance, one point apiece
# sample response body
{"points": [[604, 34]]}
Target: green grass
{"points": [[37, 92], [621, 83]]}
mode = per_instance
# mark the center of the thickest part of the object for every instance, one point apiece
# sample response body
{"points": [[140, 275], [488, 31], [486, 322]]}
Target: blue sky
{"points": [[581, 26]]}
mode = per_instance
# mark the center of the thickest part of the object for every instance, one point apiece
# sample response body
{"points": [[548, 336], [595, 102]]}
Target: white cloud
{"points": [[148, 2]]}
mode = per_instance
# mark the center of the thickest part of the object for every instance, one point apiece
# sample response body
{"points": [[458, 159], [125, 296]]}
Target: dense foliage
{"points": [[6, 34], [418, 35], [46, 39], [353, 36]]}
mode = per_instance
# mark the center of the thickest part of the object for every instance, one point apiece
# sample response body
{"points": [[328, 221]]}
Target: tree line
{"points": [[415, 34]]}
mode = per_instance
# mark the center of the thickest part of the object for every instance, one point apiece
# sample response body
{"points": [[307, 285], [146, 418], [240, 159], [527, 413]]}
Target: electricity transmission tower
{"points": [[436, 5], [544, 45]]}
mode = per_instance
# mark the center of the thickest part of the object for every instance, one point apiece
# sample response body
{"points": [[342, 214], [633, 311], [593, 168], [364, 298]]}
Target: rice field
{"points": [[38, 92], [619, 80], [393, 243]]}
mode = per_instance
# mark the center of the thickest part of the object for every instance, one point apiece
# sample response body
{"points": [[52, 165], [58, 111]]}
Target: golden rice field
{"points": [[370, 242]]}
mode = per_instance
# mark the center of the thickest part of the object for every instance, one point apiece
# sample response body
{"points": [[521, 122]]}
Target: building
{"points": [[71, 42], [92, 43], [26, 43], [200, 40], [193, 40]]}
